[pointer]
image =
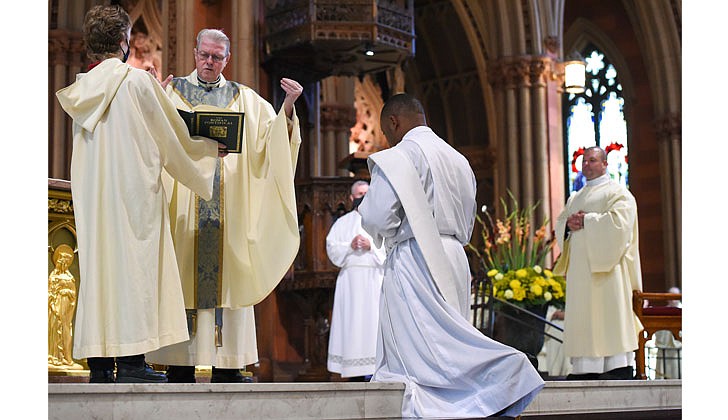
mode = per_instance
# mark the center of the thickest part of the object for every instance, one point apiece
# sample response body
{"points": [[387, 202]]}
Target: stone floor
{"points": [[623, 400]]}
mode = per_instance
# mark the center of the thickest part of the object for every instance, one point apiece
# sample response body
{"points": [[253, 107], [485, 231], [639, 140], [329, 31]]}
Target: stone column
{"points": [[511, 139], [338, 115], [66, 60], [245, 37], [669, 137], [525, 158], [179, 26], [540, 69], [316, 153], [530, 137], [336, 120]]}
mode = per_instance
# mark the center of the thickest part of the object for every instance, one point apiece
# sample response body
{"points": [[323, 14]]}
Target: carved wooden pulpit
{"points": [[312, 39], [320, 201]]}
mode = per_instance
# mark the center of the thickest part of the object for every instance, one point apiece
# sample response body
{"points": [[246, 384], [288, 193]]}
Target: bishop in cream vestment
{"points": [[233, 250], [600, 327], [125, 131]]}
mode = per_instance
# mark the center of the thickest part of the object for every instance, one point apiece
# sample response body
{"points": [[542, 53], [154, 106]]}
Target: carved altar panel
{"points": [[319, 201], [147, 37], [63, 278], [366, 135]]}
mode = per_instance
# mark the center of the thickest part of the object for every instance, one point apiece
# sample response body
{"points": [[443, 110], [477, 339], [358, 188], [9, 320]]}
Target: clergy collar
{"points": [[598, 180], [415, 130], [209, 85]]}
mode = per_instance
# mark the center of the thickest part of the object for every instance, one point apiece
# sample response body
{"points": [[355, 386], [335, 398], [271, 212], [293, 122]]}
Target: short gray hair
{"points": [[215, 35], [357, 183]]}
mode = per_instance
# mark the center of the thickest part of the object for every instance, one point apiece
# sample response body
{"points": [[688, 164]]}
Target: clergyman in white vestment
{"points": [[552, 358], [234, 249], [421, 202], [599, 222], [355, 316], [125, 132]]}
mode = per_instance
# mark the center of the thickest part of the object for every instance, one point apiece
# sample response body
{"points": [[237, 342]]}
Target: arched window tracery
{"points": [[596, 118]]}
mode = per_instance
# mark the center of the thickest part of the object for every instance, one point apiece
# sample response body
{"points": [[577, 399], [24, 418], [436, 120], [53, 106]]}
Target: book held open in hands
{"points": [[219, 124]]}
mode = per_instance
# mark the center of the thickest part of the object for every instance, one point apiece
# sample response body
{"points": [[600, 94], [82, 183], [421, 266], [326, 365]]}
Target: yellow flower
{"points": [[519, 294], [548, 273], [521, 273], [547, 296], [537, 269], [492, 272], [508, 294], [540, 281], [536, 289], [515, 284]]}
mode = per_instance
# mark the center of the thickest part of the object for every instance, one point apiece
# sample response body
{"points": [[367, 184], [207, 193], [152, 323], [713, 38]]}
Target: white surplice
{"points": [[355, 316], [450, 369], [125, 131], [552, 358]]}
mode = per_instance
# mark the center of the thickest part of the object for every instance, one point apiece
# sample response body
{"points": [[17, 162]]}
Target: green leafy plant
{"points": [[513, 254]]}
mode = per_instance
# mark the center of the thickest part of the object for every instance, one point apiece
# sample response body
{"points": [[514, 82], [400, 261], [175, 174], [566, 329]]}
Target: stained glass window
{"points": [[596, 117]]}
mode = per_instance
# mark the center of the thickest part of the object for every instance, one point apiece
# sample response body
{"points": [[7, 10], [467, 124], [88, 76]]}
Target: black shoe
{"points": [[101, 377], [181, 374], [582, 376], [226, 376], [623, 373], [129, 374]]}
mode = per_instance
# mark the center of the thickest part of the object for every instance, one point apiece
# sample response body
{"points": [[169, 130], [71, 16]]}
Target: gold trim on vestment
{"points": [[235, 99], [182, 97], [194, 251], [221, 241]]}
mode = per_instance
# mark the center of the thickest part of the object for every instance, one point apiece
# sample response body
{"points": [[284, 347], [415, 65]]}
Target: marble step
{"points": [[342, 400]]}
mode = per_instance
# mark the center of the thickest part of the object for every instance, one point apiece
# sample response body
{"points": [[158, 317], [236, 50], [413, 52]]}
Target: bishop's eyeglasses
{"points": [[215, 58]]}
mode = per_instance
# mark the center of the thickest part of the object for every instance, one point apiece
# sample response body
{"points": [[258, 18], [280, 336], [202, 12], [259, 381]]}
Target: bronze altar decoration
{"points": [[63, 278]]}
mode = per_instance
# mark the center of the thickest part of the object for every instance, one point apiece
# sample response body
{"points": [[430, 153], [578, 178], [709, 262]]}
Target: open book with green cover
{"points": [[215, 123]]}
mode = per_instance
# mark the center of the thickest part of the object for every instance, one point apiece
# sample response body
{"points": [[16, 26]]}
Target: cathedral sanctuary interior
{"points": [[492, 76]]}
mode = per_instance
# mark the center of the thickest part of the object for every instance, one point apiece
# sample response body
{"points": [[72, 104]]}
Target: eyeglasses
{"points": [[204, 56]]}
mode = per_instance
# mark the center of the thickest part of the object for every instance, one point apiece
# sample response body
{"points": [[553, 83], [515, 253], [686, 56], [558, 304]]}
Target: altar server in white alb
{"points": [[421, 202], [235, 248], [599, 235], [355, 317], [125, 131]]}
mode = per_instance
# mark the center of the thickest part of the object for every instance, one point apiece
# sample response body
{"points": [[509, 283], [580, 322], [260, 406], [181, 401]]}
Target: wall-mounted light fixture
{"points": [[368, 49], [574, 73]]}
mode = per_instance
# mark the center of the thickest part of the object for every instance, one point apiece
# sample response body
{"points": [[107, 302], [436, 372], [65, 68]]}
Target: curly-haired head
{"points": [[103, 28]]}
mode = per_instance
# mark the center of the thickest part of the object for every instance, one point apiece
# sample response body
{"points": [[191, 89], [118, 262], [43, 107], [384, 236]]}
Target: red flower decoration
{"points": [[577, 153], [616, 146]]}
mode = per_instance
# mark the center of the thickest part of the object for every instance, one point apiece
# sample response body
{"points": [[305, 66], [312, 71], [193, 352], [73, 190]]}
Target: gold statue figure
{"points": [[61, 306]]}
